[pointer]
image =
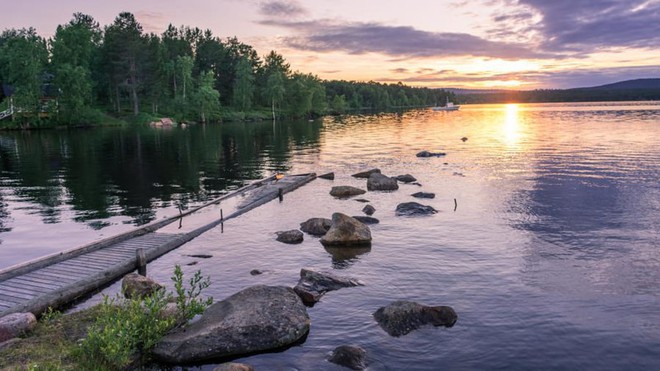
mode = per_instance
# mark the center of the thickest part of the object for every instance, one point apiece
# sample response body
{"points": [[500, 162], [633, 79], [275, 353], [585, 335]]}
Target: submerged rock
{"points": [[316, 226], [329, 176], [413, 208], [423, 195], [369, 210], [380, 182], [256, 319], [366, 219], [313, 284], [293, 236], [135, 286], [430, 154], [349, 356], [16, 324], [346, 231], [406, 178], [346, 191], [402, 317], [366, 174], [234, 367], [256, 272]]}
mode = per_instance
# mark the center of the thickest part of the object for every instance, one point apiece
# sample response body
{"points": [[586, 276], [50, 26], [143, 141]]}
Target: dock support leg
{"points": [[280, 195], [141, 261]]}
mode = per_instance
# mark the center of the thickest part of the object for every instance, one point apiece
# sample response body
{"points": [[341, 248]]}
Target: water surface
{"points": [[550, 259]]}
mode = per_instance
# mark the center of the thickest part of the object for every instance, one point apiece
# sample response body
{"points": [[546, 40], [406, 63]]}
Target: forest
{"points": [[87, 74]]}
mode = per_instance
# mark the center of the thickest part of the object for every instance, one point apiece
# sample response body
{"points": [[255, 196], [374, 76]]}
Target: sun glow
{"points": [[511, 128]]}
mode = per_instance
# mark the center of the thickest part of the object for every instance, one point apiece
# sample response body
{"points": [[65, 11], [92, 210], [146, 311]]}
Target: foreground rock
{"points": [[349, 356], [366, 174], [316, 226], [413, 208], [380, 182], [257, 319], [313, 285], [135, 286], [423, 195], [406, 178], [346, 231], [16, 324], [366, 219], [346, 191], [328, 176], [430, 154], [402, 317], [369, 210], [293, 236]]}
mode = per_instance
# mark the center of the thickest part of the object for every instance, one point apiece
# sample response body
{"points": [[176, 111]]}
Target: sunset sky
{"points": [[524, 44]]}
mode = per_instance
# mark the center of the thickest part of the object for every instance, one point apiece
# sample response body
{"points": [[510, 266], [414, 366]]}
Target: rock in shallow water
{"points": [[366, 219], [402, 317], [430, 154], [349, 356], [328, 176], [414, 208], [423, 195], [346, 231], [346, 191], [293, 236], [314, 284], [369, 210], [366, 174], [406, 178], [380, 182], [316, 226], [135, 286], [257, 319]]}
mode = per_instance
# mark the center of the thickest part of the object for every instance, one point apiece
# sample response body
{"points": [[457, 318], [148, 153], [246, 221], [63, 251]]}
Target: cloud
{"points": [[154, 22], [396, 41], [282, 8], [587, 26]]}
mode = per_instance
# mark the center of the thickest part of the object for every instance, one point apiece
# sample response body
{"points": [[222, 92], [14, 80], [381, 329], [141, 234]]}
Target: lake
{"points": [[547, 243]]}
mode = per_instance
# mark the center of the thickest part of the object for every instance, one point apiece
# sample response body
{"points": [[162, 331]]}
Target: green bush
{"points": [[127, 329]]}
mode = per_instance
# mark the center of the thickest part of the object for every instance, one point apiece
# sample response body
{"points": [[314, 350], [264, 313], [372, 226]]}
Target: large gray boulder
{"points": [[316, 226], [314, 284], [257, 319], [366, 174], [346, 231], [135, 286], [346, 191], [414, 208], [16, 324], [380, 182], [349, 356], [402, 317]]}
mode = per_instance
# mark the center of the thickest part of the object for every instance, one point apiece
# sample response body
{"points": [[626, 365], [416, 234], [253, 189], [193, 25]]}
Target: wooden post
{"points": [[221, 217], [455, 204], [280, 195], [141, 261]]}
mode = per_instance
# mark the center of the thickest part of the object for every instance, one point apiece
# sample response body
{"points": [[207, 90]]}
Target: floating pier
{"points": [[58, 279]]}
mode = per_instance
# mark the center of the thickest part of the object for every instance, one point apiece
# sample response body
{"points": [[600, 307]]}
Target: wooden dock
{"points": [[60, 278]]}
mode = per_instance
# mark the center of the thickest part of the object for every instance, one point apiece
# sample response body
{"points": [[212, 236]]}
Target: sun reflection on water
{"points": [[511, 128]]}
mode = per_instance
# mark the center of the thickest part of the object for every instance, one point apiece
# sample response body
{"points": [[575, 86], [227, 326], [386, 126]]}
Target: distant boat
{"points": [[450, 106]]}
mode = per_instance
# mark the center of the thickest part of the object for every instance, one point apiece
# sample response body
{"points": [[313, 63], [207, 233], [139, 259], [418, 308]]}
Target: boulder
{"points": [[380, 182], [346, 191], [369, 210], [135, 286], [346, 231], [234, 367], [257, 319], [328, 176], [314, 284], [402, 317], [349, 356], [316, 226], [366, 174], [291, 237], [413, 208], [406, 178], [423, 195], [366, 219], [430, 154], [16, 324]]}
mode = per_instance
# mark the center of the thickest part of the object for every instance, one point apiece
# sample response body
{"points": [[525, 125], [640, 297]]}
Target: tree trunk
{"points": [[117, 98], [273, 107], [134, 96]]}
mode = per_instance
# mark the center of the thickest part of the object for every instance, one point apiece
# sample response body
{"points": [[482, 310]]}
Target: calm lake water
{"points": [[551, 258]]}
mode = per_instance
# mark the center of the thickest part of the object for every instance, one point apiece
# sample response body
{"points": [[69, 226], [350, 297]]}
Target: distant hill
{"points": [[639, 89], [629, 84]]}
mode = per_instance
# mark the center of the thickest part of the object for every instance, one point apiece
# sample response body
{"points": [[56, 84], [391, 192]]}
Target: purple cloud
{"points": [[279, 8]]}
